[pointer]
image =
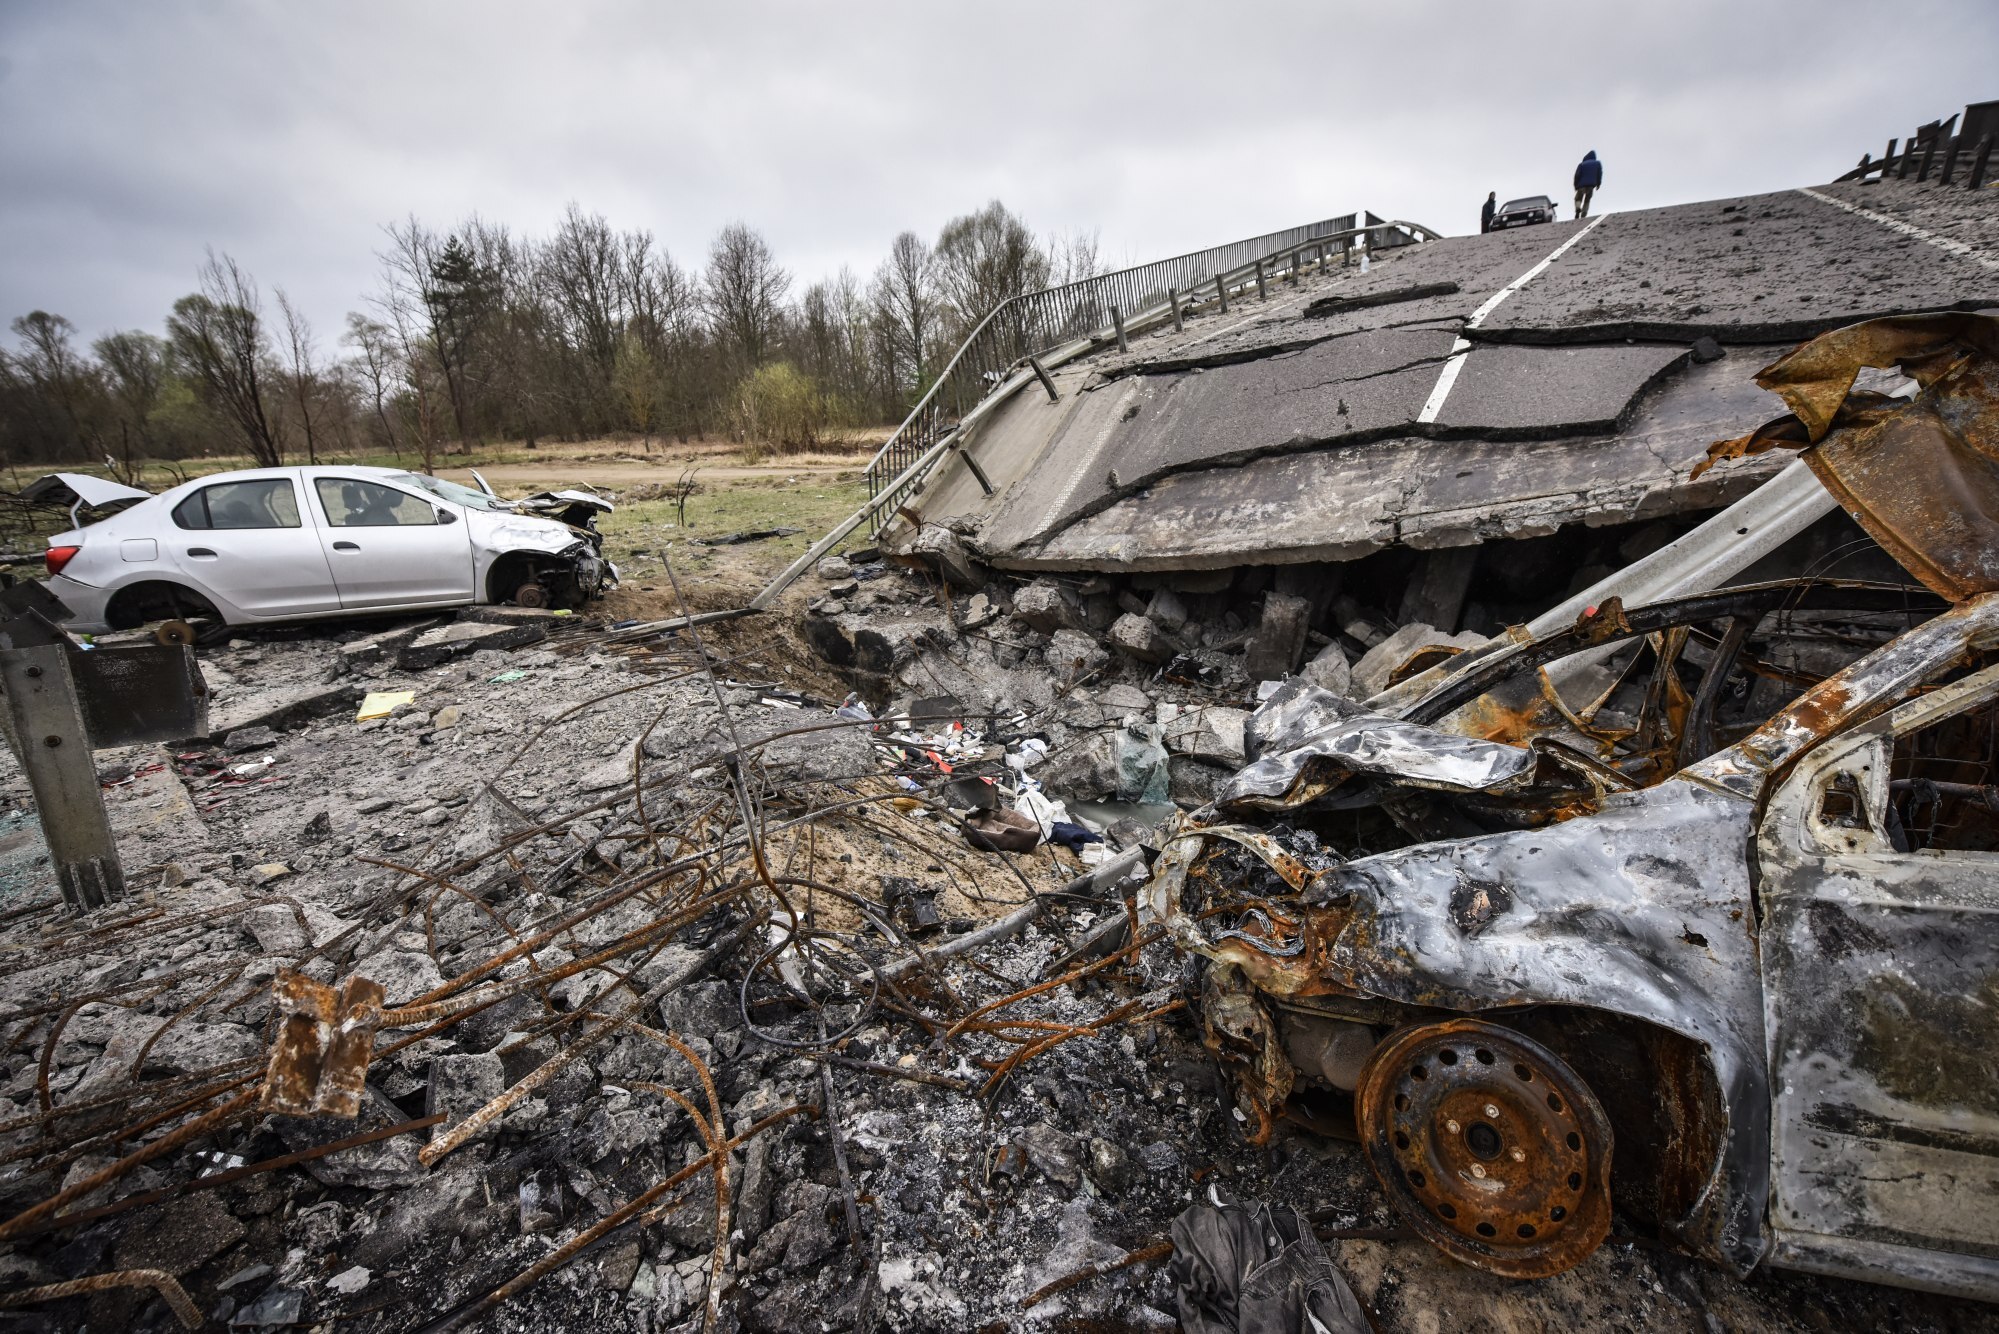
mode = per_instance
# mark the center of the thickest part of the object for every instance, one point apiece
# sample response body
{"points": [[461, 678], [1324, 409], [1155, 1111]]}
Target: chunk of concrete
{"points": [[835, 569], [1373, 673], [435, 647], [1330, 671], [1212, 733], [940, 549], [402, 974], [1138, 637], [1436, 596], [1279, 642], [1044, 607], [376, 647], [1073, 655], [1167, 610], [460, 1084]]}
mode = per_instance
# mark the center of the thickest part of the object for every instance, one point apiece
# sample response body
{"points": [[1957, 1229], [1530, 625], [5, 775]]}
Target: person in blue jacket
{"points": [[1589, 175]]}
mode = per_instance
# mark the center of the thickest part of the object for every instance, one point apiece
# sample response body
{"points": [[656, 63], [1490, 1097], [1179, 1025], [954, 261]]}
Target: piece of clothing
{"points": [[1072, 836], [1582, 202], [1589, 172], [1256, 1269], [1485, 216]]}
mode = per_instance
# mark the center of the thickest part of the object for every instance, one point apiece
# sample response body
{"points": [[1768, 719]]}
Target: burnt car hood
{"points": [[1642, 908], [1304, 739]]}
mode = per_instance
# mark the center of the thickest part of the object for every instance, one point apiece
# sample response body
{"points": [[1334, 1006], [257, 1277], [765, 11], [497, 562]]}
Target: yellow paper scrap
{"points": [[381, 703]]}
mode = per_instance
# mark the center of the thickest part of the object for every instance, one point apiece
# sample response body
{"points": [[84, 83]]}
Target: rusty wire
{"points": [[710, 866]]}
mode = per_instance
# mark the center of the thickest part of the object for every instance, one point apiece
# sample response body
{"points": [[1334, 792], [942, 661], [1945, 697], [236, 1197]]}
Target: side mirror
{"points": [[446, 516]]}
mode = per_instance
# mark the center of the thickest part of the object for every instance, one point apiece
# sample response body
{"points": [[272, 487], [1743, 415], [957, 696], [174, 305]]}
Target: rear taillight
{"points": [[57, 557]]}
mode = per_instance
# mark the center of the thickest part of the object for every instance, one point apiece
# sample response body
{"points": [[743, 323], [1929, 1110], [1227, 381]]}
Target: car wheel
{"points": [[173, 632], [1488, 1145], [530, 595]]}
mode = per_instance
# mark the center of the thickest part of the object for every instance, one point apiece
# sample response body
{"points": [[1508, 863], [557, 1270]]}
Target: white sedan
{"points": [[281, 544]]}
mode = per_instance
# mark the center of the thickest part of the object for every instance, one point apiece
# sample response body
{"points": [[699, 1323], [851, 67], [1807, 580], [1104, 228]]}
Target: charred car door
{"points": [[1879, 859]]}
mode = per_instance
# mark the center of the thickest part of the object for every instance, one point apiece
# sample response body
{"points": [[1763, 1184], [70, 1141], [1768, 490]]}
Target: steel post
{"points": [[1262, 292], [1222, 291], [1117, 319], [1908, 159], [1929, 156], [1976, 181], [45, 726], [1950, 161], [1173, 300]]}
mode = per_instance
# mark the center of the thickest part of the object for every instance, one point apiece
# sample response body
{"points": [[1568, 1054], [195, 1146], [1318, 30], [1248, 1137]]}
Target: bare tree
{"points": [[1073, 256], [218, 334], [635, 376], [983, 259], [58, 375], [375, 362], [745, 292], [133, 366], [302, 377], [442, 298], [905, 302]]}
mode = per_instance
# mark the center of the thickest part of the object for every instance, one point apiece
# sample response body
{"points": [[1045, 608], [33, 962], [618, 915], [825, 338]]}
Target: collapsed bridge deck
{"points": [[1467, 389]]}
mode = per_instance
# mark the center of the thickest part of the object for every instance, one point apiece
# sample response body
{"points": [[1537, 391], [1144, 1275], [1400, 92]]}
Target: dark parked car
{"points": [[1521, 212]]}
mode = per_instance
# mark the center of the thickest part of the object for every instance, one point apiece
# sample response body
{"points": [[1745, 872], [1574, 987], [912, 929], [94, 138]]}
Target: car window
{"points": [[1944, 785], [267, 502], [1536, 202], [350, 503], [451, 491]]}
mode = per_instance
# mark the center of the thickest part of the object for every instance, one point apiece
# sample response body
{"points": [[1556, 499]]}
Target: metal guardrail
{"points": [[1039, 322], [1938, 149]]}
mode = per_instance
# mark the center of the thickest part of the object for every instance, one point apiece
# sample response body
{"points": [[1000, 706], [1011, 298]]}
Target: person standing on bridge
{"points": [[1589, 175], [1485, 214]]}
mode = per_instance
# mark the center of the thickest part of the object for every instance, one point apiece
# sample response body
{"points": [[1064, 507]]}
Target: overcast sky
{"points": [[287, 134]]}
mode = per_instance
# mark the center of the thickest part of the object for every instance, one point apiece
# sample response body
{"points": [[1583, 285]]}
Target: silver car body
{"points": [[311, 564]]}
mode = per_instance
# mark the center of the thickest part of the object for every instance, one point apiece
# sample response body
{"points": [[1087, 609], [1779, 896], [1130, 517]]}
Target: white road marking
{"points": [[1944, 243], [1459, 349]]}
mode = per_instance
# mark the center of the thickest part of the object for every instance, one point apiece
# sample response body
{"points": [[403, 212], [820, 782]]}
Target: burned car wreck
{"points": [[1688, 903]]}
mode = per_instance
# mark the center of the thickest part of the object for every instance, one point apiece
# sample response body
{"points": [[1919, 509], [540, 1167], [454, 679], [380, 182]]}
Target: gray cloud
{"points": [[138, 135]]}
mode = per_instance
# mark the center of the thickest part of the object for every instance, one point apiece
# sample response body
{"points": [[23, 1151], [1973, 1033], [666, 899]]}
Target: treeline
{"points": [[477, 334]]}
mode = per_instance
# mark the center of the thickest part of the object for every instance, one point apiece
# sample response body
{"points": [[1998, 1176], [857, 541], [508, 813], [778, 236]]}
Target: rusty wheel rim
{"points": [[1491, 1147]]}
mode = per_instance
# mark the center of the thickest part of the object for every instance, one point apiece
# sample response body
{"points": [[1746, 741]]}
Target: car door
{"points": [[389, 547], [248, 543], [1880, 954]]}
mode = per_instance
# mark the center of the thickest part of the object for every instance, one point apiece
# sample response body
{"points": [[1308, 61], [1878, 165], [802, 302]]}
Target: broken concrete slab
{"points": [[435, 647], [281, 708], [1279, 643], [378, 647], [1545, 392]]}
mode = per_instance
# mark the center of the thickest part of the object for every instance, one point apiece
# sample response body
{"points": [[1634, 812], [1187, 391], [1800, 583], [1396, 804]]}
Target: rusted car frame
{"points": [[1618, 949]]}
